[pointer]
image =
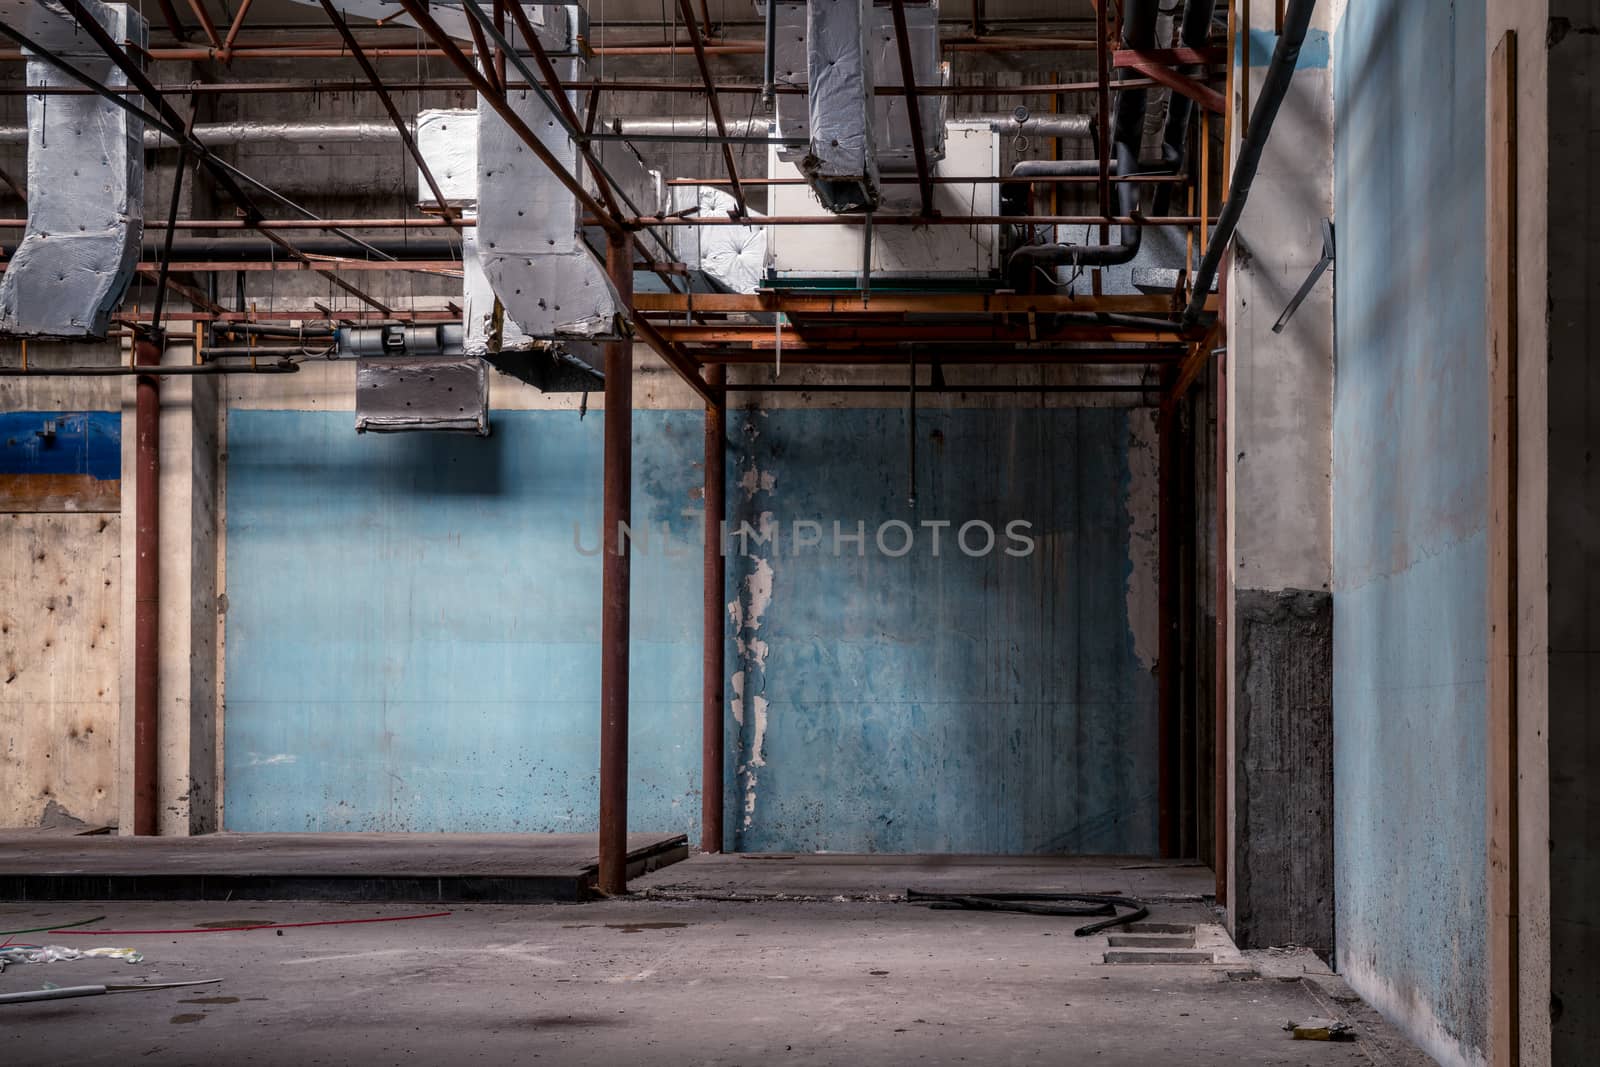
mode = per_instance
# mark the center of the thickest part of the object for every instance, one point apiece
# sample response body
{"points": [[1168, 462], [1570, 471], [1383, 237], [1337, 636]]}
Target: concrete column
{"points": [[187, 797], [1280, 404]]}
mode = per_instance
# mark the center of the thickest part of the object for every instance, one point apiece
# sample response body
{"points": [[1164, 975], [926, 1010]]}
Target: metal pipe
{"points": [[1194, 33], [713, 743], [1127, 133], [769, 60], [1124, 221], [626, 127], [255, 249], [147, 584], [900, 387], [118, 371], [1273, 89], [232, 133], [613, 872], [442, 85]]}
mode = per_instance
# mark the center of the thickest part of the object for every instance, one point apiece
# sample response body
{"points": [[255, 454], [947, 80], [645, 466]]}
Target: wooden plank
{"points": [[59, 665], [1502, 580], [29, 493]]}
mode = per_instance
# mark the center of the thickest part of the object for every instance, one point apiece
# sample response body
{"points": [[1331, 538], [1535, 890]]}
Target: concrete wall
{"points": [[1409, 518], [1573, 221], [1280, 410], [412, 636], [947, 702]]}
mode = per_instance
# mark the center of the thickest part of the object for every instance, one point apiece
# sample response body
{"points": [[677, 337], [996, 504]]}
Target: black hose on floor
{"points": [[1040, 904]]}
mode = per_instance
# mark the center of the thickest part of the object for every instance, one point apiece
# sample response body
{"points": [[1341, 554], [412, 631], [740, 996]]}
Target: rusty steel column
{"points": [[711, 725], [614, 601], [1167, 639], [146, 583], [1223, 671]]}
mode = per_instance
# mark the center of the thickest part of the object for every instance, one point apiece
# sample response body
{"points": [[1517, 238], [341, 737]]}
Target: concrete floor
{"points": [[659, 981]]}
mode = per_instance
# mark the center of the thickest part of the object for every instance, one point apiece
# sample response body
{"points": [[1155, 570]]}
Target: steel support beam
{"points": [[376, 82], [147, 585], [713, 711], [418, 10], [613, 875], [712, 102], [908, 76]]}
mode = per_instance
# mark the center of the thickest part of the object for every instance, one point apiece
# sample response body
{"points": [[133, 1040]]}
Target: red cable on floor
{"points": [[262, 926]]}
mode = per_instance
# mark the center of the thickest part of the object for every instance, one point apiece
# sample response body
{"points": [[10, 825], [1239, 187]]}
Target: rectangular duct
{"points": [[841, 50], [529, 239], [842, 164], [85, 182]]}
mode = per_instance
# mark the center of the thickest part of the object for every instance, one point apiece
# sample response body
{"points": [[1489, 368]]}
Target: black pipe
{"points": [[1127, 134], [1296, 20], [1194, 33], [769, 60]]}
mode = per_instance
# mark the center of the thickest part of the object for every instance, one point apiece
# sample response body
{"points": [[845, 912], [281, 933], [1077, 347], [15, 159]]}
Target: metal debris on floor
{"points": [[30, 996], [10, 954]]}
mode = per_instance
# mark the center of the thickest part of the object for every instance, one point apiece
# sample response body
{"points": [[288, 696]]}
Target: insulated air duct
{"points": [[842, 163], [841, 134], [85, 182]]}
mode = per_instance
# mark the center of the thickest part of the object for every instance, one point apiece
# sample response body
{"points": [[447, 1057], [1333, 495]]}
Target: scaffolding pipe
{"points": [[713, 742], [617, 511], [221, 134]]}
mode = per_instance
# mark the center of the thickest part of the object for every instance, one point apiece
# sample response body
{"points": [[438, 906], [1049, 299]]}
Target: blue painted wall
{"points": [[1410, 515], [412, 637], [956, 703], [83, 442]]}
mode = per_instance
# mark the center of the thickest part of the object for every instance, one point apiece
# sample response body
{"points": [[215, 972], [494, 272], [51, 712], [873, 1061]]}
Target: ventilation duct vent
{"points": [[85, 182], [416, 378]]}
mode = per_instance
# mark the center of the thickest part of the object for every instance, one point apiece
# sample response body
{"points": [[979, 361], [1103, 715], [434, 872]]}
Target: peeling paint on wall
{"points": [[754, 546], [949, 703]]}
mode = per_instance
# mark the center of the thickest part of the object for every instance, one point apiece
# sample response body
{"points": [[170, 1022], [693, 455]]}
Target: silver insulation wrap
{"points": [[85, 183]]}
